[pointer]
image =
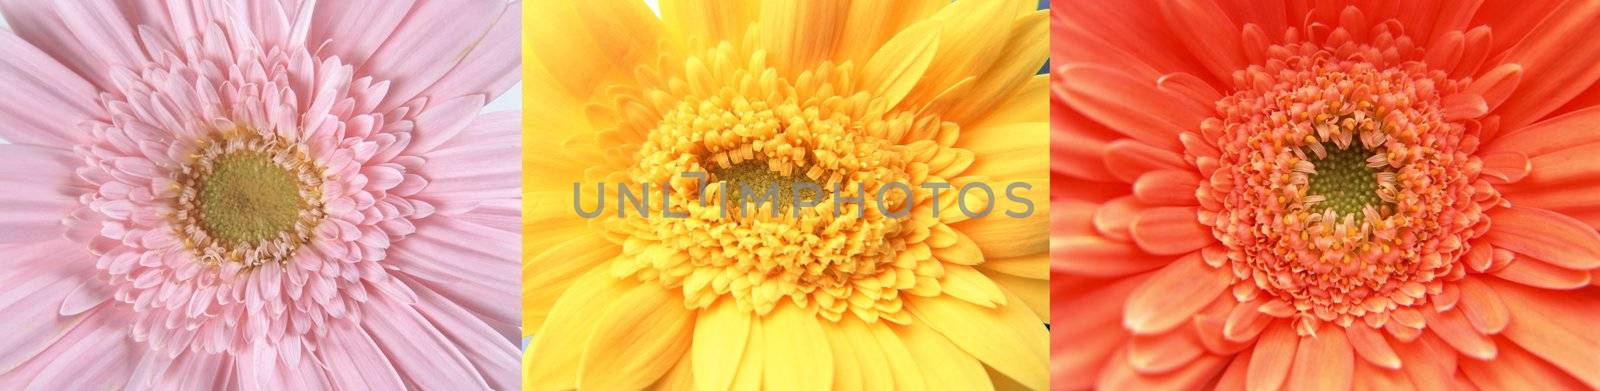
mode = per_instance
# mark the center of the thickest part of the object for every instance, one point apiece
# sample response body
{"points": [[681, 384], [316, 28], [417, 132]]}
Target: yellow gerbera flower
{"points": [[677, 281]]}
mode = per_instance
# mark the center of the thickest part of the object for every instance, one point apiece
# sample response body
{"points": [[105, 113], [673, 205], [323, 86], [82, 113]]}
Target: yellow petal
{"points": [[1003, 383], [704, 23], [590, 44], [1002, 236], [555, 349], [1019, 60], [871, 23], [942, 362], [721, 333], [1030, 103], [548, 220], [965, 283], [1036, 266], [1008, 152], [896, 68], [963, 252], [626, 351], [968, 44], [548, 107], [1033, 292], [1009, 338], [679, 378], [871, 365], [748, 377], [797, 352], [903, 367], [547, 275], [799, 34], [847, 364], [554, 163]]}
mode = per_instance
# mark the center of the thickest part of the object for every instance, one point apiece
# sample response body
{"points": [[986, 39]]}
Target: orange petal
{"points": [[1270, 361], [1246, 322], [1548, 236], [1479, 257], [1113, 218], [1516, 369], [1429, 365], [1506, 167], [1121, 376], [1128, 159], [1497, 84], [1565, 63], [1126, 104], [1157, 354], [1211, 323], [1555, 134], [1371, 345], [1323, 362], [1094, 256], [1087, 330], [1234, 377], [1369, 377], [1452, 327], [1572, 165], [1170, 230], [1482, 306], [1167, 187], [1557, 326], [1173, 295], [1532, 272], [1206, 31], [1464, 105]]}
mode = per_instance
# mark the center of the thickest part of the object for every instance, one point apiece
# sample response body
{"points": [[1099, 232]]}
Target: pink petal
{"points": [[94, 354], [57, 100], [487, 70], [39, 24], [474, 266], [424, 357], [431, 40], [354, 29], [443, 121], [350, 352], [39, 192], [489, 349], [484, 161]]}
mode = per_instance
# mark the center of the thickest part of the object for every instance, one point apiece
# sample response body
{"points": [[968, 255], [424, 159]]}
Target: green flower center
{"points": [[760, 180], [1345, 179], [248, 198]]}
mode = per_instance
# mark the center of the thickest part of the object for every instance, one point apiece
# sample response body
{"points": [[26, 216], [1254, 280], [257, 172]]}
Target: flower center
{"points": [[1345, 182], [1341, 187], [851, 242], [764, 184], [247, 199]]}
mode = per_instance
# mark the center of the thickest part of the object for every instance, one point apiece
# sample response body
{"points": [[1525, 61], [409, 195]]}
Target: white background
{"points": [[511, 100]]}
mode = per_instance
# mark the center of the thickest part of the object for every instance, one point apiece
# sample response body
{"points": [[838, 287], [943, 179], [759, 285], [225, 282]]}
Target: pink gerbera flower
{"points": [[258, 194], [1362, 194]]}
